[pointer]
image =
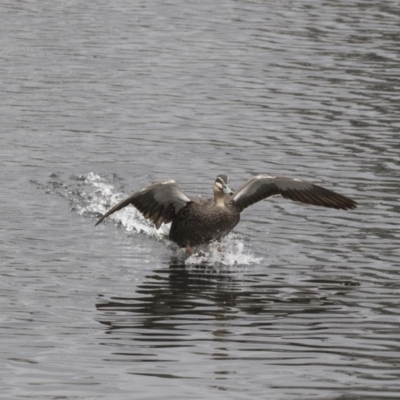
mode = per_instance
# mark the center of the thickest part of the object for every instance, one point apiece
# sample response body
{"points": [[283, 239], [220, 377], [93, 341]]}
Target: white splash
{"points": [[98, 201], [230, 251], [103, 198]]}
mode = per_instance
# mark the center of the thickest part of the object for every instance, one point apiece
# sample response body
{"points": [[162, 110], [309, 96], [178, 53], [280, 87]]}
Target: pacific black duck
{"points": [[196, 220]]}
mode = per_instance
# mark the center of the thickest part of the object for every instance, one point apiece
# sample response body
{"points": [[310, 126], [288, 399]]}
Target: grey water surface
{"points": [[98, 99]]}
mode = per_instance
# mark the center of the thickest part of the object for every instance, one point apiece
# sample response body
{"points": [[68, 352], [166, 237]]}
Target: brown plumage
{"points": [[196, 221]]}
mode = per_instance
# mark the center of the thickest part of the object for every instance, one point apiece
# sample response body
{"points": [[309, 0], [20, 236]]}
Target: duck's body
{"points": [[201, 221], [197, 221]]}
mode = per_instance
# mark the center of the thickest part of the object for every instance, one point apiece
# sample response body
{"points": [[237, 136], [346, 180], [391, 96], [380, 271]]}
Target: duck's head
{"points": [[221, 186]]}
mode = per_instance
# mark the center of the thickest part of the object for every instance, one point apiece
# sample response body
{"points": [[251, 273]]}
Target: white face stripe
{"points": [[220, 179], [218, 184]]}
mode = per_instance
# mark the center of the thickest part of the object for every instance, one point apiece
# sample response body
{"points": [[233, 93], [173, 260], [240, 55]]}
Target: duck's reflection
{"points": [[176, 296], [202, 313]]}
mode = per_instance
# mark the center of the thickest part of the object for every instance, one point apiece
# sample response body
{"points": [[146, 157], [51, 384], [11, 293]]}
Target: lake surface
{"points": [[100, 98]]}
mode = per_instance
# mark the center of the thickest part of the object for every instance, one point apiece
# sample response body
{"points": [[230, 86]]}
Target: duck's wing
{"points": [[159, 202], [262, 186]]}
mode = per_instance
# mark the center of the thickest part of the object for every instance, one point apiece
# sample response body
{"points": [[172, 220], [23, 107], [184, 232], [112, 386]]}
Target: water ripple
{"points": [[303, 302]]}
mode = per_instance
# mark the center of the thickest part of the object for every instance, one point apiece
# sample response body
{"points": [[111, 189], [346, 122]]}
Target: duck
{"points": [[195, 220]]}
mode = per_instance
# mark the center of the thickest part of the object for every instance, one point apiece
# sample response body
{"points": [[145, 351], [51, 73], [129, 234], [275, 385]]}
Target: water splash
{"points": [[103, 198], [230, 251]]}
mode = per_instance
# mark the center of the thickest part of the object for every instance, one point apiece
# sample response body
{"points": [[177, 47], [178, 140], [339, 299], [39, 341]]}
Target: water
{"points": [[98, 99]]}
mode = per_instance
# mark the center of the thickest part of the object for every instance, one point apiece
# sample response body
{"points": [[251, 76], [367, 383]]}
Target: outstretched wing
{"points": [[159, 202], [262, 186]]}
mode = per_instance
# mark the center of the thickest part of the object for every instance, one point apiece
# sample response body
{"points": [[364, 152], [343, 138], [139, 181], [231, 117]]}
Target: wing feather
{"points": [[262, 186], [159, 202]]}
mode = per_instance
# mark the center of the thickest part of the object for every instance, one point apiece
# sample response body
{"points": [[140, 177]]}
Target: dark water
{"points": [[99, 98]]}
